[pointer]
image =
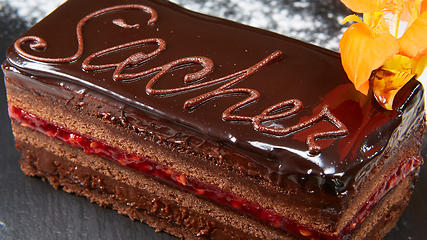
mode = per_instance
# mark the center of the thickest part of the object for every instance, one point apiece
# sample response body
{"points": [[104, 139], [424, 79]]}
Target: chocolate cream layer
{"points": [[269, 106]]}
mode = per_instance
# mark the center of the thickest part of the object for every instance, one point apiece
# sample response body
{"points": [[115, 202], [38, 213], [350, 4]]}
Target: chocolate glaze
{"points": [[357, 128]]}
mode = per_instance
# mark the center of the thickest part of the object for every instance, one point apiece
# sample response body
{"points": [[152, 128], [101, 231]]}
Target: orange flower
{"points": [[373, 46], [413, 42], [364, 6]]}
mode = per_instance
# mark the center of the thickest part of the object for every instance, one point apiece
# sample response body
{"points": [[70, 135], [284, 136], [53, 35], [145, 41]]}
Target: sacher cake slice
{"points": [[206, 128]]}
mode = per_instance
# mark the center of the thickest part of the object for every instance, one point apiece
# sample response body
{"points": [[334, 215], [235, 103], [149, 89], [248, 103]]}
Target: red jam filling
{"points": [[162, 173], [395, 178]]}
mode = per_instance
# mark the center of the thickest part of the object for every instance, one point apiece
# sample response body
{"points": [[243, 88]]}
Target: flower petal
{"points": [[363, 6], [413, 42], [418, 65], [386, 84], [363, 51], [423, 6], [351, 18]]}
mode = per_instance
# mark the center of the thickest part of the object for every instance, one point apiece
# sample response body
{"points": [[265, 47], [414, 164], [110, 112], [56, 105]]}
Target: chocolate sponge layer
{"points": [[141, 198], [164, 207]]}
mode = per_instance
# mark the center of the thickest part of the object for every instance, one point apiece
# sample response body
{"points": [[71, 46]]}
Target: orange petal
{"points": [[423, 6], [413, 42], [351, 18], [363, 6], [362, 52], [418, 65], [386, 84]]}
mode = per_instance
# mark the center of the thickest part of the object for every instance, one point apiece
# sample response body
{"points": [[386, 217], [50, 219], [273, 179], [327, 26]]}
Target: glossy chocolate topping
{"points": [[270, 105]]}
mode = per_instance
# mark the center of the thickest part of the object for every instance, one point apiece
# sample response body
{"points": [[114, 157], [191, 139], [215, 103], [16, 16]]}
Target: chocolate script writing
{"points": [[280, 110]]}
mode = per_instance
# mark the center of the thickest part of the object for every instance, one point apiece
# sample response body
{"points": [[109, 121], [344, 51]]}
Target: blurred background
{"points": [[316, 22]]}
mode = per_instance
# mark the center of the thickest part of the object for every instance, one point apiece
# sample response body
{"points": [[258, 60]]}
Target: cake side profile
{"points": [[206, 128]]}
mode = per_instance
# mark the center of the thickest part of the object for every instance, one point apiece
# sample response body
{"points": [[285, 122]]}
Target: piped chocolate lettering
{"points": [[282, 110]]}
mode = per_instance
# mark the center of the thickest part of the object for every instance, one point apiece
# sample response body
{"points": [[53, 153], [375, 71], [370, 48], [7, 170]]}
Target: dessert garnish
{"points": [[387, 49]]}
